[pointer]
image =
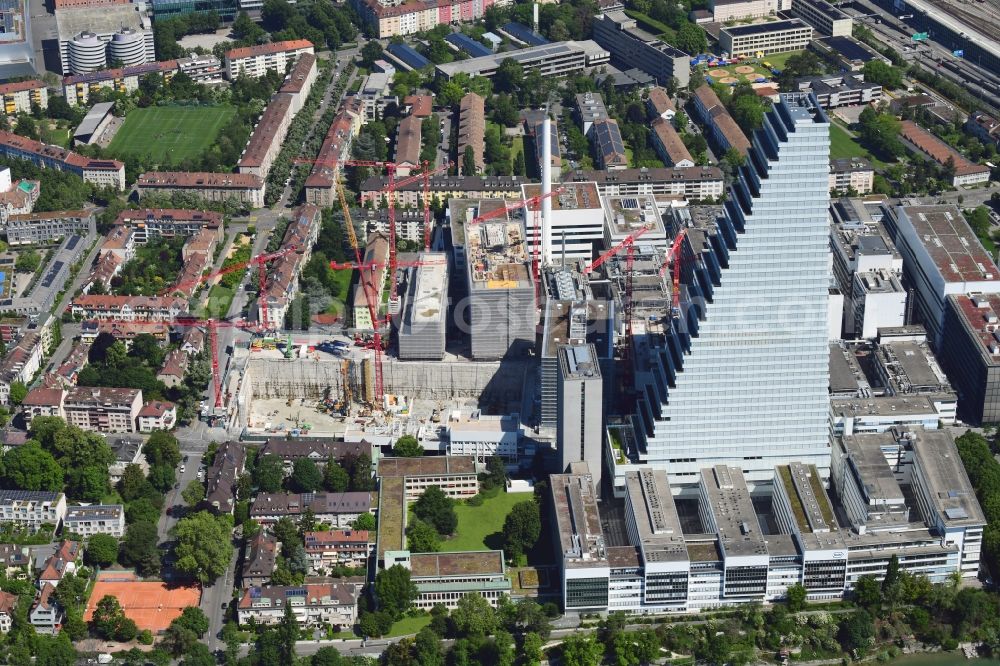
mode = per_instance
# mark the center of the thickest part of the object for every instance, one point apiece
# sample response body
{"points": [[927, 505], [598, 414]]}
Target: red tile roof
{"points": [[32, 84], [44, 397], [420, 105], [200, 179], [156, 409], [938, 150], [266, 49]]}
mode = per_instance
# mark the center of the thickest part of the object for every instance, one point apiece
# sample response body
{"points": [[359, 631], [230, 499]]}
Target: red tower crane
{"points": [[424, 175], [390, 167], [626, 243], [526, 203], [676, 250]]}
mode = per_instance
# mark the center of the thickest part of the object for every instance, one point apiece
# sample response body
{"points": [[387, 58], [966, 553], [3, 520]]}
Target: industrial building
{"points": [[765, 38], [555, 59], [941, 257], [631, 46], [769, 331], [424, 321], [877, 300], [493, 256]]}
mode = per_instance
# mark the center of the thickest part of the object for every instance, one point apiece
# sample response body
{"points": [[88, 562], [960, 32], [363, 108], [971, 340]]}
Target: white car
{"points": [[182, 469]]}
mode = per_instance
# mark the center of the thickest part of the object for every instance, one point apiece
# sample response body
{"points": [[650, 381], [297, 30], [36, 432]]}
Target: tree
{"points": [[326, 656], [306, 477], [469, 167], [27, 261], [509, 77], [178, 639], [361, 473], [55, 651], [884, 74], [72, 590], [194, 493], [102, 550], [365, 521], [474, 616], [407, 446], [519, 165], [521, 528], [18, 392], [288, 633], [194, 619], [496, 473], [371, 52], [531, 649], [142, 510], [29, 467], [857, 631], [204, 545], [108, 617], [139, 548], [581, 650], [394, 590], [438, 509], [199, 655], [691, 39], [422, 538], [133, 483], [796, 596], [868, 592], [335, 478], [269, 473], [162, 448], [427, 648]]}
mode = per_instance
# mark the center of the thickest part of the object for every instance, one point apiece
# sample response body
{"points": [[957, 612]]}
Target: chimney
{"points": [[534, 8], [546, 233]]}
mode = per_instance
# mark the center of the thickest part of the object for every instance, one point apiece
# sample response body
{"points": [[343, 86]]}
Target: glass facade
{"points": [[741, 377], [226, 9], [586, 593]]}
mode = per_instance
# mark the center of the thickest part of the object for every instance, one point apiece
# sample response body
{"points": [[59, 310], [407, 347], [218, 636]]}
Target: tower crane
{"points": [[626, 243], [424, 175], [526, 203], [676, 250], [370, 297]]}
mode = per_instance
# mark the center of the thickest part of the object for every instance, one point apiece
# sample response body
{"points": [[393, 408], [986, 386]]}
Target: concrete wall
{"points": [[310, 378]]}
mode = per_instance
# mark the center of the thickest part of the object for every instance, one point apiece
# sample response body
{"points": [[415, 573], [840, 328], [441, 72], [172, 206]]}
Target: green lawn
{"points": [[477, 523], [170, 134], [843, 145], [409, 625], [778, 60], [58, 136], [219, 300]]}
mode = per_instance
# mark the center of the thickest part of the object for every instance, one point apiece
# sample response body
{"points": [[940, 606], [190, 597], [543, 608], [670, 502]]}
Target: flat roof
{"points": [[579, 361], [951, 492], [732, 509], [764, 28], [426, 466], [849, 48], [657, 523], [810, 505], [575, 196], [951, 244], [497, 255], [980, 315], [578, 522], [869, 462], [911, 365], [101, 20], [429, 298], [440, 565], [530, 54]]}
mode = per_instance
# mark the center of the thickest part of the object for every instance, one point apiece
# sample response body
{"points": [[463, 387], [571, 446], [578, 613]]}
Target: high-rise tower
{"points": [[741, 377]]}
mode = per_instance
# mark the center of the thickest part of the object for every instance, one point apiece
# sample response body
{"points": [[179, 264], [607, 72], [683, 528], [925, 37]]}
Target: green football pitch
{"points": [[170, 134]]}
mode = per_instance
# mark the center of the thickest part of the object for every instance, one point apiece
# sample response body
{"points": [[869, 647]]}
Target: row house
{"points": [[221, 477], [332, 604], [261, 559], [337, 548], [129, 308], [339, 510]]}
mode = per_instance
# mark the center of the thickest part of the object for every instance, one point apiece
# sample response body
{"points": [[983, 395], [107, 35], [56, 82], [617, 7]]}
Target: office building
{"points": [[848, 53], [840, 90], [972, 354], [724, 11], [555, 59], [579, 433], [273, 56], [99, 172], [17, 48], [244, 188], [852, 174], [482, 437], [455, 475], [823, 16], [966, 172], [43, 228], [941, 257], [31, 509], [493, 256], [576, 222], [877, 300], [765, 38], [103, 409], [226, 9], [581, 548], [91, 37], [472, 132], [421, 329], [19, 96], [774, 387], [96, 519], [631, 46]]}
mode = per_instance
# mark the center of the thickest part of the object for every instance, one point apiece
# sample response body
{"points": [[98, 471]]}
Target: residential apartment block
{"points": [[720, 124], [766, 38], [201, 68], [472, 132], [19, 96], [273, 56], [96, 519], [840, 90], [103, 409], [696, 183], [852, 174], [30, 509], [99, 172], [53, 226], [245, 188], [337, 548], [334, 604], [129, 308], [555, 59], [337, 509], [631, 46]]}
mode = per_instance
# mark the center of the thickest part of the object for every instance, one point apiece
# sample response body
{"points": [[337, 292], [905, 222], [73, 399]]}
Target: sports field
{"points": [[170, 134]]}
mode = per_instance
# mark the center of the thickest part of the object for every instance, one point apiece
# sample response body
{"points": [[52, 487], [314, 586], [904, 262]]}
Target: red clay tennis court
{"points": [[151, 605]]}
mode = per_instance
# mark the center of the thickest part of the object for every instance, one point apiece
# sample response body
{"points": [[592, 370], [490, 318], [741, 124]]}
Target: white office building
{"points": [[740, 376]]}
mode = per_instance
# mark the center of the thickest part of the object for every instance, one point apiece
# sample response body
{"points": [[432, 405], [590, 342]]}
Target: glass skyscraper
{"points": [[741, 377]]}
